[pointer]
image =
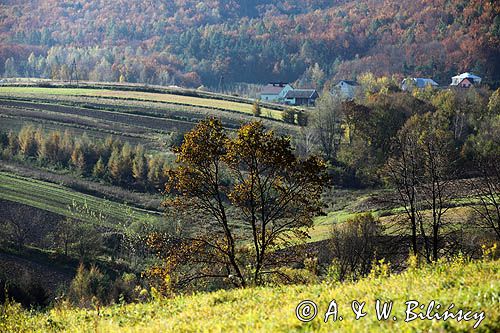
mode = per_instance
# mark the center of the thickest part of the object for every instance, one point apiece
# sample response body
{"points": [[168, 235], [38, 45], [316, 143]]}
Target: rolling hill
{"points": [[219, 42], [151, 116]]}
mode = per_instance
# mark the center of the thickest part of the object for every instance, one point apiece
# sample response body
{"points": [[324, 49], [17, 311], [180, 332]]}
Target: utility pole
{"points": [[221, 84], [74, 72]]}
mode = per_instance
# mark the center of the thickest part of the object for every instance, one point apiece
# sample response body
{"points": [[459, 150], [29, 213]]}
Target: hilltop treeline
{"points": [[108, 160], [191, 43]]}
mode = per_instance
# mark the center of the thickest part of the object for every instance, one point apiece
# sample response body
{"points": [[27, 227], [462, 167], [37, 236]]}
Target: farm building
{"points": [[465, 80], [301, 97], [275, 91], [417, 82], [345, 89]]}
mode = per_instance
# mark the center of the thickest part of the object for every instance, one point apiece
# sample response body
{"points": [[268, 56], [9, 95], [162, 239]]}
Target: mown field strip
{"points": [[148, 122], [15, 123], [144, 96], [57, 199]]}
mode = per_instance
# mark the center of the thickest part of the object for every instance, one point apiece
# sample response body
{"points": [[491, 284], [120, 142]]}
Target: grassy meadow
{"points": [[322, 228], [141, 96], [470, 286], [57, 198], [149, 118]]}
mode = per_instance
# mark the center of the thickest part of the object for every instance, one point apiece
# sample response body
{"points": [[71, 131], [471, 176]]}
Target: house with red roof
{"points": [[275, 91]]}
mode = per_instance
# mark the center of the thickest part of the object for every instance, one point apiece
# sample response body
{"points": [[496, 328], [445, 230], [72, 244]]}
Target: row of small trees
{"points": [[109, 160]]}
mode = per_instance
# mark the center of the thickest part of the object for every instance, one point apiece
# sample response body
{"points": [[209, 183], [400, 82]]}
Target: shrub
{"points": [[289, 275], [126, 289], [89, 286], [354, 245], [174, 139], [4, 140], [256, 109], [24, 290], [302, 118], [289, 116]]}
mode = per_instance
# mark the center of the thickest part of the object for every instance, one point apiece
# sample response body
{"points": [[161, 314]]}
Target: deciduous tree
{"points": [[404, 171], [252, 194], [326, 122]]}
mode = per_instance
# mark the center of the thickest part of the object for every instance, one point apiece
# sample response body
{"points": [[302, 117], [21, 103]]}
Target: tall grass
{"points": [[469, 285]]}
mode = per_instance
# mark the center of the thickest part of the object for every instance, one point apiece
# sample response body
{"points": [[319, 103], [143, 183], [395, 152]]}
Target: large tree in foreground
{"points": [[248, 196]]}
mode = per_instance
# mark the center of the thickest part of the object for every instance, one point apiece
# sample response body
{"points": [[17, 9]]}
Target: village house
{"points": [[417, 82], [275, 91], [465, 80], [345, 89], [305, 97]]}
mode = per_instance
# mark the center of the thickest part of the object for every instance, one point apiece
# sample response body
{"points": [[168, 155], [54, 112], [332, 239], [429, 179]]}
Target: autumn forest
{"points": [[191, 43]]}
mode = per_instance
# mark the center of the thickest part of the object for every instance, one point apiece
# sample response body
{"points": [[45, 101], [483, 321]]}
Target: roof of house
{"points": [[467, 75], [421, 82], [273, 88], [301, 93], [456, 80], [349, 82]]}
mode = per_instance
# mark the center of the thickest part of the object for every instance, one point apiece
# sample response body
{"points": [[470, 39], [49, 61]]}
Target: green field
{"points": [[56, 198], [148, 118], [15, 124], [470, 286], [141, 96]]}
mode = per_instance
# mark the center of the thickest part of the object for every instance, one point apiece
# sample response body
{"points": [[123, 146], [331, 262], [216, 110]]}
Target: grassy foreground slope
{"points": [[471, 286]]}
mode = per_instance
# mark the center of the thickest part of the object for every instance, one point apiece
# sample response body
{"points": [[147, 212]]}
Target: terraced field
{"points": [[134, 116], [211, 103], [72, 113], [56, 198]]}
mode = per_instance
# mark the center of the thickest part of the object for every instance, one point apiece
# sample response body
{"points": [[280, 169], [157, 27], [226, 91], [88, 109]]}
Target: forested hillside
{"points": [[192, 43]]}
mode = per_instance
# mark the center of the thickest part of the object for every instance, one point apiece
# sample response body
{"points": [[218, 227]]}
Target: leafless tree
{"points": [[487, 191], [306, 141], [19, 222], [421, 168], [437, 187], [404, 172], [354, 245], [326, 122]]}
